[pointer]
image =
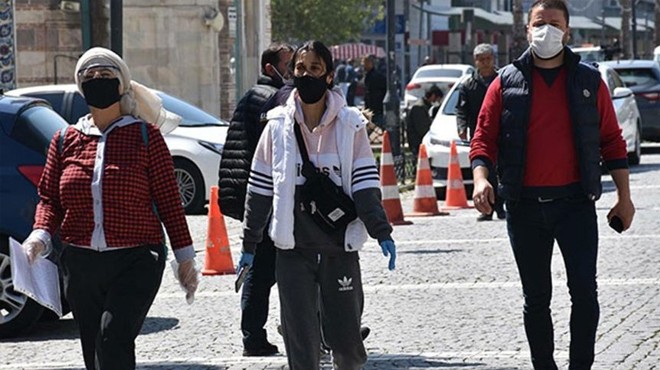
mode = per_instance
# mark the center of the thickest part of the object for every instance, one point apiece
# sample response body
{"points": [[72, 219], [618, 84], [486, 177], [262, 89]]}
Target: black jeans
{"points": [[110, 294], [533, 227], [255, 295]]}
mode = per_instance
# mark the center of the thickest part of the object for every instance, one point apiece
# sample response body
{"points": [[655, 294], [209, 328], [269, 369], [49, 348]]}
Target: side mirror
{"points": [[621, 92]]}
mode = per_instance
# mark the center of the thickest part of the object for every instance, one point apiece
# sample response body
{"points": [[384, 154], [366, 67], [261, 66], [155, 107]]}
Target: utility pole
{"points": [[626, 6], [634, 28], [116, 26], [391, 100], [519, 39], [656, 11], [98, 20], [406, 45]]}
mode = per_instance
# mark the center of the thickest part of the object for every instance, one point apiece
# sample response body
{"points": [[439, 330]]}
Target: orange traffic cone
{"points": [[388, 185], [456, 197], [218, 255], [425, 203]]}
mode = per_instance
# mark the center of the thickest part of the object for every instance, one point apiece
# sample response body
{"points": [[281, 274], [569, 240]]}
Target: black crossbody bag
{"points": [[322, 199]]}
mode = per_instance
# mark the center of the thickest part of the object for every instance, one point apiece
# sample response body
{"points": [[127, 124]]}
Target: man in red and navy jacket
{"points": [[547, 121]]}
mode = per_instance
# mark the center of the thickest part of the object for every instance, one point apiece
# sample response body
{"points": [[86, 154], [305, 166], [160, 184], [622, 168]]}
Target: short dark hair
{"points": [[433, 90], [272, 54], [320, 49], [549, 4]]}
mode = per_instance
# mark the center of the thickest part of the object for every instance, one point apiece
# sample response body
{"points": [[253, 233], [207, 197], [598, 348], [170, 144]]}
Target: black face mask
{"points": [[101, 92], [310, 89]]}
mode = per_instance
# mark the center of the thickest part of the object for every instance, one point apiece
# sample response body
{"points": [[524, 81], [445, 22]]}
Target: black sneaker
{"points": [[267, 349], [501, 215], [485, 217]]}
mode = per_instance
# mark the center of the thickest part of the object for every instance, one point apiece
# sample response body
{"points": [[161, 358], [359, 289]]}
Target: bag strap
{"points": [[60, 142], [308, 170]]}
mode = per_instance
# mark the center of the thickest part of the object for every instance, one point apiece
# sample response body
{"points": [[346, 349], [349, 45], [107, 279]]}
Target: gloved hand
{"points": [[246, 260], [388, 247], [33, 248], [187, 276]]}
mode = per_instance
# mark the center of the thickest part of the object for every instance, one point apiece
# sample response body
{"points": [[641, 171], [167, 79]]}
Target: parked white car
{"points": [[442, 75], [196, 145], [443, 130]]}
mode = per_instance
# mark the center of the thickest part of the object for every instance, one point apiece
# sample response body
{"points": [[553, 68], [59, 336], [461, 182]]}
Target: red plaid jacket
{"points": [[132, 177]]}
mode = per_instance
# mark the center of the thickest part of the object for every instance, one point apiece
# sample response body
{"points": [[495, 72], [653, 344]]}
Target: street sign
{"points": [[419, 42], [231, 20]]}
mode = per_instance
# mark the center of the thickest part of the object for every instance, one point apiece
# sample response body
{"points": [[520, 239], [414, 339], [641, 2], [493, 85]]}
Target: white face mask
{"points": [[546, 41]]}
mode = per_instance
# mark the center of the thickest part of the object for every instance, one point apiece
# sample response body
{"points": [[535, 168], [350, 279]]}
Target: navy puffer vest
{"points": [[582, 85]]}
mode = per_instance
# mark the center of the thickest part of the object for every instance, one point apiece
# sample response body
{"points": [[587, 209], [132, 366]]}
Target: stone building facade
{"points": [[170, 45]]}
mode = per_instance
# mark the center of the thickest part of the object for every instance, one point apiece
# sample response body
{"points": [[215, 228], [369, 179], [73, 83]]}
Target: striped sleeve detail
{"points": [[365, 174], [261, 180]]}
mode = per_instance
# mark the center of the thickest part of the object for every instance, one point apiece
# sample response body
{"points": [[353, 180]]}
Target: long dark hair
{"points": [[321, 50]]}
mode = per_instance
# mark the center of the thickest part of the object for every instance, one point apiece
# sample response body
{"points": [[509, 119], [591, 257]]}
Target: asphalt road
{"points": [[454, 301]]}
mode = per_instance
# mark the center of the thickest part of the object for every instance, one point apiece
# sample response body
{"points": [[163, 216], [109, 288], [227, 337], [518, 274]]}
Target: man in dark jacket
{"points": [[548, 120], [375, 88], [472, 91], [418, 119], [244, 132]]}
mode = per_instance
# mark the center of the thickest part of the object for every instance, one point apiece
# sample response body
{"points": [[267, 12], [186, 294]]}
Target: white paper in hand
{"points": [[39, 281]]}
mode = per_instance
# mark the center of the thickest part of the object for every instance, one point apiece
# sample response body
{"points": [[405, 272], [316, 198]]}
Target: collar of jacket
{"points": [[267, 80], [526, 61]]}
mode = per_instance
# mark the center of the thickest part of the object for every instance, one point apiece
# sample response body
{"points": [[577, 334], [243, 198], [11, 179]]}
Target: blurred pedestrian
{"points": [[472, 91], [418, 119], [375, 88], [244, 132], [548, 121], [114, 252], [310, 259]]}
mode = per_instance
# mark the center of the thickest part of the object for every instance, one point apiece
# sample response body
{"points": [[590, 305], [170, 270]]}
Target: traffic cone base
{"points": [[217, 260], [390, 189], [425, 203], [456, 196]]}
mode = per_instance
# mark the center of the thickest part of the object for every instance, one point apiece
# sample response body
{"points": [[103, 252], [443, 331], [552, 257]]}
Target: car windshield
{"points": [[637, 76], [190, 114], [450, 106], [36, 126], [426, 73]]}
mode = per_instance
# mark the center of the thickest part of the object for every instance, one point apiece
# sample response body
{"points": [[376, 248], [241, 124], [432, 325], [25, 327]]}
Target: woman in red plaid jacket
{"points": [[107, 186]]}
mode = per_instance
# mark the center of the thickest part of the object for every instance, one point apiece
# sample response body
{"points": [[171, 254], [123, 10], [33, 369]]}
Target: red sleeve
{"points": [[484, 142], [49, 212], [612, 145], [165, 191]]}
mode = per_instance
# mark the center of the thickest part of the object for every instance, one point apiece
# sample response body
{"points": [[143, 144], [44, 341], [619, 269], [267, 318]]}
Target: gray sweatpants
{"points": [[301, 275]]}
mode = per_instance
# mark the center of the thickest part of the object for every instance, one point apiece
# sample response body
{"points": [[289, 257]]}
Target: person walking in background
{"points": [[472, 91], [244, 132], [547, 120], [375, 88], [352, 80], [418, 119], [114, 252], [315, 267]]}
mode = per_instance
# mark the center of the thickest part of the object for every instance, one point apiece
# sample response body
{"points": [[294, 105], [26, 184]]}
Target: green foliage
{"points": [[329, 21]]}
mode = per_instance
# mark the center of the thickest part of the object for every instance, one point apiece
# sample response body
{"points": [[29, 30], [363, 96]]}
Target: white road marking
{"points": [[281, 360], [436, 286]]}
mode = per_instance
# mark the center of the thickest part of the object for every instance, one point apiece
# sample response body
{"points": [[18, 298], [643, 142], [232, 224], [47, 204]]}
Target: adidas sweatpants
{"points": [[301, 275]]}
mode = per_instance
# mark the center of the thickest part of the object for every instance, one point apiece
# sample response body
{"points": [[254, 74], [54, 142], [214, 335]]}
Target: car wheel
{"points": [[191, 186], [635, 157], [18, 313]]}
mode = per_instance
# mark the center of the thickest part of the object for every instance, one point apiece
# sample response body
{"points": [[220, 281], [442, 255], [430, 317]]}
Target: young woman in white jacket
{"points": [[316, 269]]}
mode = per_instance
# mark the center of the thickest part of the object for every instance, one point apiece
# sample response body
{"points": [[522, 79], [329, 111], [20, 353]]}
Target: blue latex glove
{"points": [[246, 260], [389, 248]]}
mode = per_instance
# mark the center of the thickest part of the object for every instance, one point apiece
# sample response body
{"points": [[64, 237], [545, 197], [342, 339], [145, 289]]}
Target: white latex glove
{"points": [[186, 274], [33, 248]]}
